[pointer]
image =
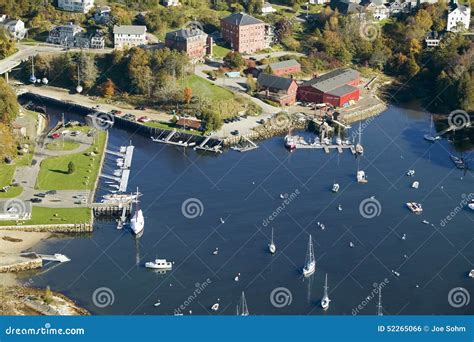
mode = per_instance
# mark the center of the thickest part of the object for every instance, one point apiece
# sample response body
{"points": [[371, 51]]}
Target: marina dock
{"points": [[126, 154], [168, 137], [327, 148], [203, 147]]}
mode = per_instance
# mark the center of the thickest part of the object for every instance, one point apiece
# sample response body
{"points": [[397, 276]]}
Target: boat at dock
{"points": [[430, 137], [415, 207], [137, 222], [310, 262], [361, 177], [159, 264], [325, 300], [290, 142], [359, 148]]}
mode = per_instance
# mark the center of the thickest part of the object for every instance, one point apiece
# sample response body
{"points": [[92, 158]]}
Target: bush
{"points": [[71, 168]]}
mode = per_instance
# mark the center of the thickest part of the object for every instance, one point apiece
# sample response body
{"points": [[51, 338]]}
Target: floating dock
{"points": [[326, 148], [251, 146], [214, 149], [167, 140], [126, 153]]}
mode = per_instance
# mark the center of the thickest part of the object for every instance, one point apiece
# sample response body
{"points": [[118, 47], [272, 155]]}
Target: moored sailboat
{"points": [[242, 309], [310, 262], [272, 246], [137, 222], [325, 300]]}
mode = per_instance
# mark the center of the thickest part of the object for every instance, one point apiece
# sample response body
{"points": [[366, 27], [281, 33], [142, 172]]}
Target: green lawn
{"points": [[206, 88], [219, 51], [62, 145], [6, 174], [14, 191], [170, 126], [41, 215], [53, 173]]}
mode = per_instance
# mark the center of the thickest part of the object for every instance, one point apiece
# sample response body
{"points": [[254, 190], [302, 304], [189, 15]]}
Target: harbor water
{"points": [[186, 193]]}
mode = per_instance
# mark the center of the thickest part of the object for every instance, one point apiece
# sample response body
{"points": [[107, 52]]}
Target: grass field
{"points": [[41, 215], [206, 88], [169, 126], [219, 51], [14, 191], [65, 145], [53, 173]]}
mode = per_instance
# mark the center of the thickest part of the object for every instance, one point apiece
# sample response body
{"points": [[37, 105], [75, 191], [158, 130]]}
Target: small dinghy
{"points": [[237, 277], [351, 244], [158, 303], [216, 251]]}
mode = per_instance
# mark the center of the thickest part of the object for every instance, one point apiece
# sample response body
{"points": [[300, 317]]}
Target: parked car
{"points": [[55, 136], [143, 119], [51, 192], [40, 195], [116, 112], [235, 132], [140, 107], [212, 77], [36, 200]]}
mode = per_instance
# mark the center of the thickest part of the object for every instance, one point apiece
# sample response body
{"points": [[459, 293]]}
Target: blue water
{"points": [[244, 189]]}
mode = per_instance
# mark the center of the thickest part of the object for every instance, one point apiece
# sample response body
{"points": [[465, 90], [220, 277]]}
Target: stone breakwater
{"points": [[363, 113], [19, 264], [53, 228]]}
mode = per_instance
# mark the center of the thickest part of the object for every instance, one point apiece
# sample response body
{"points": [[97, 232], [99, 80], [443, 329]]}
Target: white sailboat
{"points": [[272, 246], [430, 137], [325, 300], [137, 222], [310, 263], [242, 309], [359, 148], [379, 305]]}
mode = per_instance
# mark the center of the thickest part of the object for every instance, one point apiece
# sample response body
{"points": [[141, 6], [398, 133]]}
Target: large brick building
{"points": [[194, 42], [244, 33], [338, 87]]}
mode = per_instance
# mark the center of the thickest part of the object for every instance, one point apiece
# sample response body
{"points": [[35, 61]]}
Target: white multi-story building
{"points": [[129, 35], [458, 15], [170, 3], [15, 27], [83, 6], [64, 35]]}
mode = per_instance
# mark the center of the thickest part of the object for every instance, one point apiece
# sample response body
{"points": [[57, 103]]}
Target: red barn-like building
{"points": [[337, 87]]}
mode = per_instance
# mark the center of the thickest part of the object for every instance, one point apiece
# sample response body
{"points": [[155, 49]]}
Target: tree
{"points": [[71, 168], [108, 88], [188, 94], [7, 45], [48, 295], [9, 107], [234, 60], [212, 119], [251, 84], [87, 70]]}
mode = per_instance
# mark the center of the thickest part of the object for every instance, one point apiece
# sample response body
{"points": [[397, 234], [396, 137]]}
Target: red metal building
{"points": [[337, 88]]}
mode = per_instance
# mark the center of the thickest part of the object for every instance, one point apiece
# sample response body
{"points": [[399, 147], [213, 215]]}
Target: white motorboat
{"points": [[351, 244], [415, 185], [404, 237], [415, 207], [222, 220], [310, 262], [361, 177], [290, 142], [425, 222], [339, 207], [335, 187], [326, 141], [282, 196], [272, 246], [237, 277], [471, 205], [159, 264], [325, 300], [396, 273], [158, 303], [242, 309], [215, 306], [471, 274], [411, 173], [137, 222]]}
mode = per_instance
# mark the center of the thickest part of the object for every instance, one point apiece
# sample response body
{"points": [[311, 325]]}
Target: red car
{"points": [[143, 119], [55, 135]]}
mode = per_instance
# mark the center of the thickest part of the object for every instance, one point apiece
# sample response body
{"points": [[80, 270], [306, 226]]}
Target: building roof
{"points": [[342, 90], [184, 34], [276, 82], [130, 29], [346, 6], [332, 80], [241, 19], [284, 64], [190, 123]]}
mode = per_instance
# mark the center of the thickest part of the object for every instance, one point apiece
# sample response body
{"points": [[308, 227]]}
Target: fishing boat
{"points": [[159, 264], [415, 207], [335, 187], [271, 246], [325, 300], [290, 142], [361, 177], [242, 309], [415, 185], [429, 137], [310, 262], [137, 222], [459, 162]]}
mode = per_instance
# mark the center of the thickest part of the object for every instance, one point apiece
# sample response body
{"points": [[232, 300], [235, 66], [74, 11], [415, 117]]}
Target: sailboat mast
{"points": [[379, 305], [272, 237], [326, 286]]}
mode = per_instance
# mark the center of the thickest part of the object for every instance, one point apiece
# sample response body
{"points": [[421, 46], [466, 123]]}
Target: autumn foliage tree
{"points": [[188, 94], [108, 88]]}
